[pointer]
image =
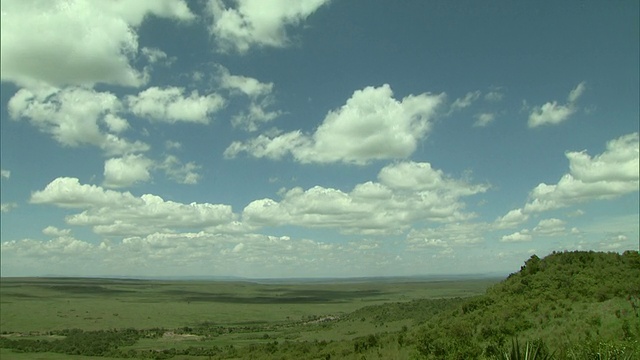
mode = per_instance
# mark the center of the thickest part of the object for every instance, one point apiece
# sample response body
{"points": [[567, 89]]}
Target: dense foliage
{"points": [[419, 311], [573, 302]]}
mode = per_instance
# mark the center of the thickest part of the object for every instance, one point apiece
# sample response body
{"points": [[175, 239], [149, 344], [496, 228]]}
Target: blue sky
{"points": [[315, 138]]}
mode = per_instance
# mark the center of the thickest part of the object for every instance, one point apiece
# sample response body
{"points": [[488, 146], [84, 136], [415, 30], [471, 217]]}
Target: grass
{"points": [[6, 354], [245, 313], [41, 304], [249, 313]]}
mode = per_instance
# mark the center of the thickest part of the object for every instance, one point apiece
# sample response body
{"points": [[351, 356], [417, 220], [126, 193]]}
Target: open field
{"points": [[44, 304], [211, 313]]}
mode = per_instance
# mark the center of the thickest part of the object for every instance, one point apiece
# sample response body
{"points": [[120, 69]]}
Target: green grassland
{"points": [[45, 304], [211, 313], [577, 305]]}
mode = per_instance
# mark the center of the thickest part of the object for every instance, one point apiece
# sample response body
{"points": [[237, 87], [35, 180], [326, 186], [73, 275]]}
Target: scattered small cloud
{"points": [[512, 219], [55, 232], [7, 207], [494, 95], [552, 113], [616, 242], [465, 102], [172, 145], [518, 236], [550, 227], [126, 171], [260, 97], [576, 213], [484, 119], [155, 55], [179, 172]]}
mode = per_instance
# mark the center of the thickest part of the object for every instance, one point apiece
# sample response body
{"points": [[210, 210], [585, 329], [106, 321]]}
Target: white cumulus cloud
{"points": [[385, 207], [371, 125], [550, 227], [69, 193], [111, 212], [126, 171], [54, 231], [512, 219], [257, 23], [171, 105], [605, 176], [80, 42], [518, 236], [75, 116]]}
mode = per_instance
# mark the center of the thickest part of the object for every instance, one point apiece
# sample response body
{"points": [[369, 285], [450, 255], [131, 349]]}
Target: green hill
{"points": [[574, 304]]}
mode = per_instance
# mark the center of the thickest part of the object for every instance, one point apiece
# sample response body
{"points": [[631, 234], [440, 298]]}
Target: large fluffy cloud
{"points": [[385, 207], [69, 193], [605, 176], [552, 113], [370, 125], [76, 42], [75, 116], [257, 22], [120, 213]]}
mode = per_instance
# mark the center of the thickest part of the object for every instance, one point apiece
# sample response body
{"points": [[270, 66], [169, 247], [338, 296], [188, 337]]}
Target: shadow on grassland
{"points": [[288, 297], [87, 289]]}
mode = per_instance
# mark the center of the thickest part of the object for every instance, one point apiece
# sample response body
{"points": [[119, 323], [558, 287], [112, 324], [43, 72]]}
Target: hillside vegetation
{"points": [[574, 304]]}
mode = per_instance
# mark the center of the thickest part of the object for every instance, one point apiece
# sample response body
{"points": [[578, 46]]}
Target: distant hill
{"points": [[574, 303]]}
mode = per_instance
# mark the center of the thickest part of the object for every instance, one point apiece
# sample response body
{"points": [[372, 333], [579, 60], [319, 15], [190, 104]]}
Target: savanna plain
{"points": [[571, 305]]}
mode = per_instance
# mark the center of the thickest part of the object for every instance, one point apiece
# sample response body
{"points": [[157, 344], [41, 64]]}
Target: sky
{"points": [[315, 138]]}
